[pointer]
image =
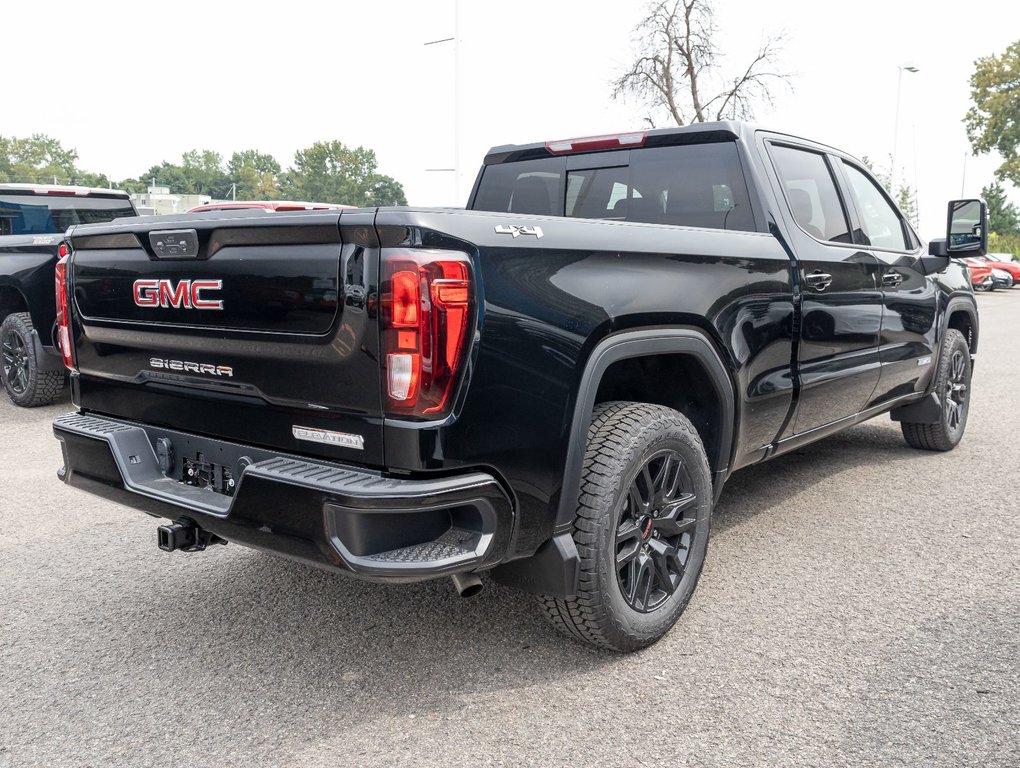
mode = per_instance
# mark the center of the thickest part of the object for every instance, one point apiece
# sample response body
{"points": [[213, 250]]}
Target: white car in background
{"points": [[1001, 278], [1001, 257]]}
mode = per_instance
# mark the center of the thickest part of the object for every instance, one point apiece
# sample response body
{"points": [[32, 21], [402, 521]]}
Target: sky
{"points": [[130, 85]]}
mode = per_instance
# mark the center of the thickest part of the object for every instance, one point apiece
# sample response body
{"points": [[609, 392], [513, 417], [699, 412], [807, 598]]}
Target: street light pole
{"points": [[896, 124], [456, 99]]}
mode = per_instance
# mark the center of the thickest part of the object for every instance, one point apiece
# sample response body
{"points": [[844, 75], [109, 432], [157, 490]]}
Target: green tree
{"points": [[1003, 216], [38, 159], [993, 122], [89, 179], [133, 185], [256, 174], [1003, 243], [200, 172], [205, 169], [384, 190], [329, 172], [169, 175]]}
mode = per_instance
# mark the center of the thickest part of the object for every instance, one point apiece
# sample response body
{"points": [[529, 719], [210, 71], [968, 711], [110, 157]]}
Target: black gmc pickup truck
{"points": [[33, 219], [552, 387]]}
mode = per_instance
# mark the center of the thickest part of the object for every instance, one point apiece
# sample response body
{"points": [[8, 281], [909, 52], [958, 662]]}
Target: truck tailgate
{"points": [[253, 327]]}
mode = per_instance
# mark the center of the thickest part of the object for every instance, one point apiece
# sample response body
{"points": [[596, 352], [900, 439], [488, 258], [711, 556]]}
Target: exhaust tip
{"points": [[467, 584]]}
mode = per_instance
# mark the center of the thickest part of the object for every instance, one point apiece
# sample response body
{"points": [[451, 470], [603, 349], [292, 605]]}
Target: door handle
{"points": [[892, 279], [819, 280]]}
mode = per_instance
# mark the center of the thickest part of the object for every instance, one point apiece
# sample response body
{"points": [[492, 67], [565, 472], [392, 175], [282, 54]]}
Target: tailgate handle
{"points": [[174, 244]]}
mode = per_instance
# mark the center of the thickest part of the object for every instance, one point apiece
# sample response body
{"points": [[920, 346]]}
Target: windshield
{"points": [[48, 214]]}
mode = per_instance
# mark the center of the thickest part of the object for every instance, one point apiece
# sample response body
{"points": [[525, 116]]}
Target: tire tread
{"points": [[44, 387], [613, 425], [936, 437]]}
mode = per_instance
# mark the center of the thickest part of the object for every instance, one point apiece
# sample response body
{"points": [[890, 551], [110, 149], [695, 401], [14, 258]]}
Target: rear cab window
{"points": [[694, 185], [51, 214]]}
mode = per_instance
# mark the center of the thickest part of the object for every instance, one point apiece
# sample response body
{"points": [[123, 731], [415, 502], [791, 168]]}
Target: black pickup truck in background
{"points": [[551, 387], [33, 219]]}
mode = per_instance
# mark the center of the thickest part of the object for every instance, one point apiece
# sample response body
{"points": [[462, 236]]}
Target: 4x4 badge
{"points": [[515, 230]]}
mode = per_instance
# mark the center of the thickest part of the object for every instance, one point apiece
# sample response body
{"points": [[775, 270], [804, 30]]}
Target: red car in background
{"points": [[1006, 266], [268, 205], [980, 274]]}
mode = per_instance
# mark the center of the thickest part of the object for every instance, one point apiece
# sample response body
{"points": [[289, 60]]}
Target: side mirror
{"points": [[967, 228], [937, 259]]}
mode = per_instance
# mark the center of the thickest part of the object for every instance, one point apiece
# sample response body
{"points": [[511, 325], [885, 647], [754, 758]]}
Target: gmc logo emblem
{"points": [[187, 294]]}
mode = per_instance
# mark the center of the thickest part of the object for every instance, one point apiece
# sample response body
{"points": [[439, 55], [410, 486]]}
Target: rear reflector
{"points": [[402, 374], [427, 303], [595, 143]]}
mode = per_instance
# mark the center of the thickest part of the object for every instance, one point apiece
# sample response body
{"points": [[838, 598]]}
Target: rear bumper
{"points": [[321, 513]]}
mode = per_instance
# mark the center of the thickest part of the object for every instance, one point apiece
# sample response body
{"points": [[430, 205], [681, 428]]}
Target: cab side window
{"points": [[882, 225], [811, 193]]}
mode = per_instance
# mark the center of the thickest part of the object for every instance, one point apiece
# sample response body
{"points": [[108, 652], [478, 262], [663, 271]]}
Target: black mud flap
{"points": [[927, 410], [553, 570]]}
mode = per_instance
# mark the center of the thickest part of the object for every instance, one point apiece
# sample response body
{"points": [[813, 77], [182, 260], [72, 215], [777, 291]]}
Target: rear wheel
{"points": [[952, 387], [25, 384], [641, 527]]}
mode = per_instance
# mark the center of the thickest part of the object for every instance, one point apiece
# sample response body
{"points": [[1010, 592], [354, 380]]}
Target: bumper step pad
{"points": [[345, 517], [454, 544]]}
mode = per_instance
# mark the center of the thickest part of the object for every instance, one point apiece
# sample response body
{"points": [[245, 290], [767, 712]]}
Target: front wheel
{"points": [[641, 527], [26, 385], [952, 387]]}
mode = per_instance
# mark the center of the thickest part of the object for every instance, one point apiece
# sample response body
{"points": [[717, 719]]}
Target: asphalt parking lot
{"points": [[860, 606]]}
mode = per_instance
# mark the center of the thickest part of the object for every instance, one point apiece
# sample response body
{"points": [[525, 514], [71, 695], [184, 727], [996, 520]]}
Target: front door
{"points": [[910, 299], [841, 299]]}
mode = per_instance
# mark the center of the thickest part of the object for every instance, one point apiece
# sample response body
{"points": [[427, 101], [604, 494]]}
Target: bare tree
{"points": [[678, 67]]}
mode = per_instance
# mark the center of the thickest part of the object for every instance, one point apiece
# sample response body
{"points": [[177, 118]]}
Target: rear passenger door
{"points": [[841, 309]]}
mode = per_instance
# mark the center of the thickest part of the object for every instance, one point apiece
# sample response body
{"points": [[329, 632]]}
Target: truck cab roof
{"points": [[61, 190], [268, 205], [697, 133]]}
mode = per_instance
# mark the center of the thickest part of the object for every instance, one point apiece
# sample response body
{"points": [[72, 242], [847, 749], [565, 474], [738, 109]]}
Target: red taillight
{"points": [[405, 299], [595, 143], [426, 304], [63, 318]]}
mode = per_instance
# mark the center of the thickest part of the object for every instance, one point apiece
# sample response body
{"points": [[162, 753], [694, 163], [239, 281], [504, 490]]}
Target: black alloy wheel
{"points": [[656, 531], [16, 362], [641, 527], [956, 389], [952, 388], [26, 385]]}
